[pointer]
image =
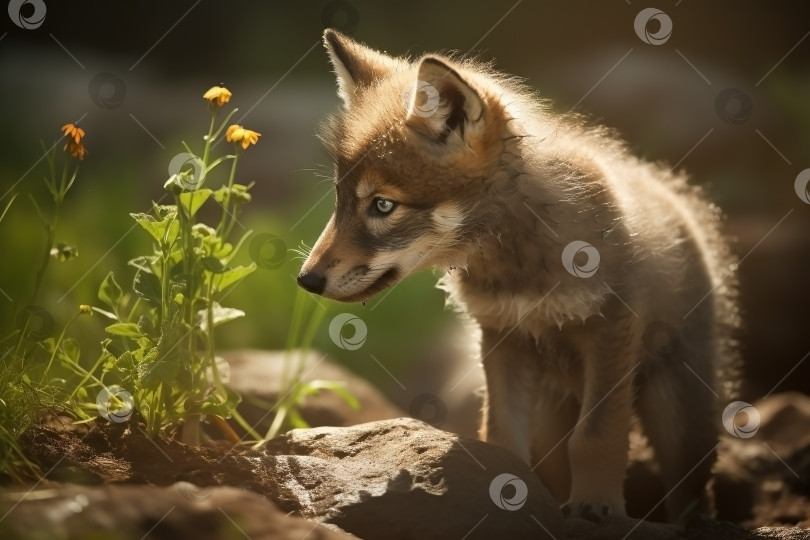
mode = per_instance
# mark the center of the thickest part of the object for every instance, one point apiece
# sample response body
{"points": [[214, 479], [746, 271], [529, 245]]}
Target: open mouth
{"points": [[388, 278]]}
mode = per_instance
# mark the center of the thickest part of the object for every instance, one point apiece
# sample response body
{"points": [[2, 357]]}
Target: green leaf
{"points": [[238, 194], [296, 420], [193, 200], [239, 244], [221, 195], [147, 286], [8, 204], [161, 371], [148, 223], [214, 405], [229, 277], [48, 344], [338, 388], [144, 262], [164, 232], [110, 292], [214, 265], [70, 350], [221, 315], [124, 329], [107, 314]]}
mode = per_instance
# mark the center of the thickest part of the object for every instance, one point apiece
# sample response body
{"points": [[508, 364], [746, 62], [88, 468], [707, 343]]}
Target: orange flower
{"points": [[76, 150], [237, 134], [217, 95], [74, 132], [74, 145]]}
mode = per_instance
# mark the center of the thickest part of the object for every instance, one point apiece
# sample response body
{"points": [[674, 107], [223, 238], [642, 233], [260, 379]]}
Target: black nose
{"points": [[312, 282]]}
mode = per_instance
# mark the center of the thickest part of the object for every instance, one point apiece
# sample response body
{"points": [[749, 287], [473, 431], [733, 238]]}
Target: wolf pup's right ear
{"points": [[357, 67], [442, 102]]}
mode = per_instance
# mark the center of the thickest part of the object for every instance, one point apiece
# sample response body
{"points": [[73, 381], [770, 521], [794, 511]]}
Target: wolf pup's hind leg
{"points": [[675, 406]]}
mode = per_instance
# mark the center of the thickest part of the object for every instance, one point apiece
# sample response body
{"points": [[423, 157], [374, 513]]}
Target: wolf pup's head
{"points": [[412, 147]]}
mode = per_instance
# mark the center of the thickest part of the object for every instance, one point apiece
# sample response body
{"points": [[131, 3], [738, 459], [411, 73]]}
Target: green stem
{"points": [[87, 376], [286, 388], [209, 137], [18, 347], [245, 425], [211, 346], [56, 347], [228, 208], [134, 308], [50, 230]]}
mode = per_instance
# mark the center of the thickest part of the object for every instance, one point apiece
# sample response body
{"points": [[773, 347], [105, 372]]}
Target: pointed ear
{"points": [[443, 103], [356, 66]]}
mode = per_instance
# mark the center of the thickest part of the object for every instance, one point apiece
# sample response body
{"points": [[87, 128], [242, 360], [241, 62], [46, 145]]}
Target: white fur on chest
{"points": [[533, 314]]}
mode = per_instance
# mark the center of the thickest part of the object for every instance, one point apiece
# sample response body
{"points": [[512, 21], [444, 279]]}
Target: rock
{"points": [[784, 420], [257, 373], [403, 479], [181, 510], [388, 479], [764, 479], [778, 533]]}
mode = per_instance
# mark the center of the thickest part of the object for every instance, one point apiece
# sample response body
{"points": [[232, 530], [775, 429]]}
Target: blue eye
{"points": [[383, 206]]}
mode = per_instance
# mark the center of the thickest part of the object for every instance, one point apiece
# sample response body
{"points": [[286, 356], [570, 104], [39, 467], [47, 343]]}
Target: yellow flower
{"points": [[237, 134], [84, 308], [217, 95], [74, 132], [74, 145]]}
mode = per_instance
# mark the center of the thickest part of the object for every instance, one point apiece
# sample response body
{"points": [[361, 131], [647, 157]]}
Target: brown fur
{"points": [[491, 187]]}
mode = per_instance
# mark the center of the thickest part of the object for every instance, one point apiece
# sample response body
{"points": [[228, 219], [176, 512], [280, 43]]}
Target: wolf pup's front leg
{"points": [[529, 411], [511, 372], [599, 444]]}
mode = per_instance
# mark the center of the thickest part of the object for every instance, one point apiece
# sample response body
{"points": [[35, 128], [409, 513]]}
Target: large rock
{"points": [[132, 512], [403, 479], [389, 479]]}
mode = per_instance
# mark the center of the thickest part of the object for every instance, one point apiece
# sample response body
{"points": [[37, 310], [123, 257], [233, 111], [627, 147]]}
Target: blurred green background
{"points": [[135, 73]]}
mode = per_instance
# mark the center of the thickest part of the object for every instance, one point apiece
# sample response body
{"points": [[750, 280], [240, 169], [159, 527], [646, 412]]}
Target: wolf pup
{"points": [[598, 280]]}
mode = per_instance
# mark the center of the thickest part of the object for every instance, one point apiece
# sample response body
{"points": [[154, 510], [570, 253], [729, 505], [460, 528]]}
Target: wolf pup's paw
{"points": [[594, 512]]}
